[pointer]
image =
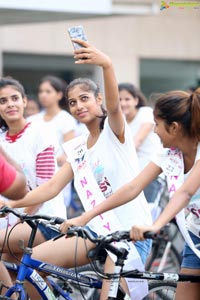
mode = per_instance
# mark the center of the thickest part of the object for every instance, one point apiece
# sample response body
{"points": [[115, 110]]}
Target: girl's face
{"points": [[167, 137], [47, 95], [83, 105], [128, 102], [12, 104]]}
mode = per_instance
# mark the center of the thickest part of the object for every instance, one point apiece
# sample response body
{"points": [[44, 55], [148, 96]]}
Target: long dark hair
{"points": [[181, 107], [89, 86], [59, 85], [8, 81], [135, 92]]}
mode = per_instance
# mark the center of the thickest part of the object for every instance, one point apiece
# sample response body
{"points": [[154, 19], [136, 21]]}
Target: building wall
{"points": [[172, 34]]}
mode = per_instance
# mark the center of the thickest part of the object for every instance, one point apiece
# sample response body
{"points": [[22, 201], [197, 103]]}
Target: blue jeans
{"points": [[49, 233], [144, 249], [190, 259]]}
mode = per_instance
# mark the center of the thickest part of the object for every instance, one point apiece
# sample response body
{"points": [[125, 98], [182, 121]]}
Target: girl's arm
{"points": [[142, 134], [90, 55], [46, 191], [178, 201], [12, 181], [125, 194]]}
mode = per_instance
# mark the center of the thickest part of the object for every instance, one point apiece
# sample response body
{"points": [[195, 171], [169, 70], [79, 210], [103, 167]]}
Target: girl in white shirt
{"points": [[140, 119], [54, 114], [100, 162], [55, 117], [177, 116], [33, 149]]}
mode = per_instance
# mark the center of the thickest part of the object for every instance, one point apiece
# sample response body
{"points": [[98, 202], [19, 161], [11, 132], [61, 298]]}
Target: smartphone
{"points": [[77, 32]]}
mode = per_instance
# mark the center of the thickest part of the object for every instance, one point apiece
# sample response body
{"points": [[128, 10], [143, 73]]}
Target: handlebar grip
{"points": [[59, 220], [4, 210], [150, 235]]}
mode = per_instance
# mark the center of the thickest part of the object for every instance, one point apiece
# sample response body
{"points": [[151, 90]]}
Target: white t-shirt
{"points": [[151, 142], [61, 124], [24, 151], [193, 208], [113, 164]]}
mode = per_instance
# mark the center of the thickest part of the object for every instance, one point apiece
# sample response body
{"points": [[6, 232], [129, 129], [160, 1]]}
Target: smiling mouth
{"points": [[81, 113], [11, 112]]}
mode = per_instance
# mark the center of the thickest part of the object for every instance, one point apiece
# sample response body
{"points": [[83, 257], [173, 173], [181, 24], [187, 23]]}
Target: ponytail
{"points": [[195, 112]]}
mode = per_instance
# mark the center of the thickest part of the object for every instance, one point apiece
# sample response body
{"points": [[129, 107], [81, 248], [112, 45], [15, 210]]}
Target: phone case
{"points": [[77, 32]]}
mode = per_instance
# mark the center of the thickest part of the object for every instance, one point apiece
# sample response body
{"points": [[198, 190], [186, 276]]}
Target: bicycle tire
{"points": [[161, 290], [173, 260], [88, 292]]}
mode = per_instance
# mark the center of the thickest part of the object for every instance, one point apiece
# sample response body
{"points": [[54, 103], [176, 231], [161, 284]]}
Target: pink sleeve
{"points": [[45, 164], [7, 174]]}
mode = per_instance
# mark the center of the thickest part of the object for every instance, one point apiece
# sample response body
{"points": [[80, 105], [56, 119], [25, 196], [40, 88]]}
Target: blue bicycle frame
{"points": [[27, 271]]}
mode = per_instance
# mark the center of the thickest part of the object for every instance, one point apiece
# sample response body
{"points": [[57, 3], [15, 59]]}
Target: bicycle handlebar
{"points": [[77, 230], [24, 217]]}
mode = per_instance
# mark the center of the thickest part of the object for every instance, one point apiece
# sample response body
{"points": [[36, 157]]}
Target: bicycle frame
{"points": [[26, 270]]}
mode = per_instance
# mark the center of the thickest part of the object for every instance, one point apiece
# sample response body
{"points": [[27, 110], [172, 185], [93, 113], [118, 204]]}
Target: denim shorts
{"points": [[144, 249], [49, 233], [190, 259]]}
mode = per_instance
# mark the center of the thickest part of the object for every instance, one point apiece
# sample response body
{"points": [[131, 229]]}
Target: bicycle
{"points": [[162, 286], [66, 279], [158, 282]]}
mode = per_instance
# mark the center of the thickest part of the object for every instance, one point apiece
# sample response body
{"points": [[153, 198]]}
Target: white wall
{"points": [[172, 34]]}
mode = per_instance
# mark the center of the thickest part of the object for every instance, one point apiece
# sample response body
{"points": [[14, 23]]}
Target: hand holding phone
{"points": [[77, 32]]}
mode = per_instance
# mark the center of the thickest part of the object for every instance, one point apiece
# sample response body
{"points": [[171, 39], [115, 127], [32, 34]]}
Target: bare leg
{"points": [[186, 290], [5, 278], [109, 268], [20, 232], [61, 253]]}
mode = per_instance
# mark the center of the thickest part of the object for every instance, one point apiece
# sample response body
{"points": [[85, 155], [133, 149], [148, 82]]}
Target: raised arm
{"points": [[46, 191], [90, 55]]}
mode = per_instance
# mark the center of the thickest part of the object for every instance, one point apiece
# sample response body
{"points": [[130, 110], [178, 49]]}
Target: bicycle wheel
{"points": [[80, 290], [161, 290], [170, 264]]}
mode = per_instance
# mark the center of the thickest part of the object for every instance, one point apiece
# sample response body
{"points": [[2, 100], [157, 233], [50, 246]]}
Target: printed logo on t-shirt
{"points": [[101, 179]]}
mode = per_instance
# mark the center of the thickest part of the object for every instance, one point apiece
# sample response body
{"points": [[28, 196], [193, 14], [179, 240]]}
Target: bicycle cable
{"points": [[93, 263], [75, 268], [9, 248]]}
